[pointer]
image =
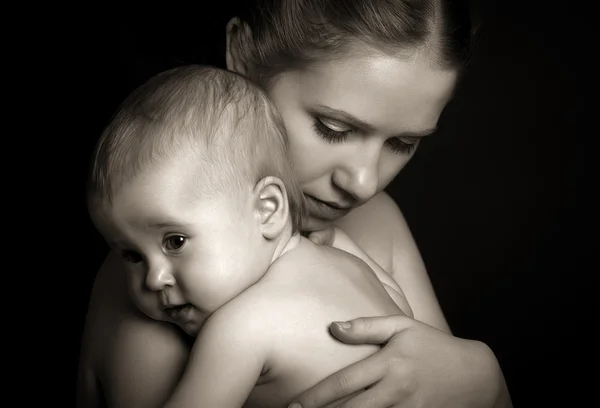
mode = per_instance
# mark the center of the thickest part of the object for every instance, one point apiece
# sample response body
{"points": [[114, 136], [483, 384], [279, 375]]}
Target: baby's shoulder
{"points": [[309, 263]]}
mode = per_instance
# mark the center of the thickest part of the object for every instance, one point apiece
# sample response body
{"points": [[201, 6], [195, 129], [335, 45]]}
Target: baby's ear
{"points": [[271, 206]]}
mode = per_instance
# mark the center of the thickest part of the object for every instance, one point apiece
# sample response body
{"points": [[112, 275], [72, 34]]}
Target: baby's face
{"points": [[184, 256]]}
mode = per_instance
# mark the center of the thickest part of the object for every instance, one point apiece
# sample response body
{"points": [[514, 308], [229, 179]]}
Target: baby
{"points": [[190, 183]]}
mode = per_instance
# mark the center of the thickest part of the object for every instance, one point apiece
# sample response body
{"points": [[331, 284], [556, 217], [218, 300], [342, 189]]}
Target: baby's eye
{"points": [[131, 256], [174, 242]]}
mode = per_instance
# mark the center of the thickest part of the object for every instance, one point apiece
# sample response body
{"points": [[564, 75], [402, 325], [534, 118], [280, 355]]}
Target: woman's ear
{"points": [[271, 206], [238, 42]]}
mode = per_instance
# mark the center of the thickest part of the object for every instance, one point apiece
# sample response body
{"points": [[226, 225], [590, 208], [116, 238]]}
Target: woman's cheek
{"points": [[311, 160], [390, 165]]}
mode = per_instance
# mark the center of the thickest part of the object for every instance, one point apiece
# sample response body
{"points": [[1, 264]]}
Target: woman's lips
{"points": [[324, 211]]}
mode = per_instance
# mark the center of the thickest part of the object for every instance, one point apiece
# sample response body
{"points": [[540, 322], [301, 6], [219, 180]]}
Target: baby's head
{"points": [[191, 185]]}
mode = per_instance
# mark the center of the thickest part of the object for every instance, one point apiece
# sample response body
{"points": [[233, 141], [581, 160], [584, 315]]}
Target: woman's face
{"points": [[354, 123]]}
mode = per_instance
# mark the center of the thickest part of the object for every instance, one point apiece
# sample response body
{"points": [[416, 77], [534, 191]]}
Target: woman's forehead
{"points": [[384, 91]]}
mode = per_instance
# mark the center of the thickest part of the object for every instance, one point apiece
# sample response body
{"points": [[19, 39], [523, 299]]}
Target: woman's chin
{"points": [[315, 224]]}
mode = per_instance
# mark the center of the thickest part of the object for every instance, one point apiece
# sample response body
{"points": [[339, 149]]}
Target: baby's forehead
{"points": [[140, 201], [160, 181]]}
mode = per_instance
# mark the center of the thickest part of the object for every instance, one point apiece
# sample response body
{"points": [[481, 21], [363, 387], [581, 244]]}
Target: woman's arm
{"points": [[379, 228], [419, 365]]}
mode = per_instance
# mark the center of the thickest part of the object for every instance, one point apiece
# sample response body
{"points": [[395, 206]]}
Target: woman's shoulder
{"points": [[375, 227], [380, 215], [382, 202]]}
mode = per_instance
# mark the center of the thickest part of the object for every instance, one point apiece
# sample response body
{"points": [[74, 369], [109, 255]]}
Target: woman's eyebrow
{"points": [[418, 134], [345, 117]]}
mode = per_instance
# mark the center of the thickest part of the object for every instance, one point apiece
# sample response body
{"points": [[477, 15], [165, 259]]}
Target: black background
{"points": [[490, 199]]}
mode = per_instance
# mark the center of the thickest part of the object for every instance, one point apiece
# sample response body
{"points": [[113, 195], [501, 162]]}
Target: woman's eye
{"points": [[174, 242], [399, 146], [334, 132], [330, 131], [335, 126], [131, 256]]}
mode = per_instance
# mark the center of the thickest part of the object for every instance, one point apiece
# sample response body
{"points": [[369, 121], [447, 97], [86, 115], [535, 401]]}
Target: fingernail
{"points": [[343, 325], [295, 405]]}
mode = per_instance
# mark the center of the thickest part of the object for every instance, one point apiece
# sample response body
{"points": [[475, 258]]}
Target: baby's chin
{"points": [[191, 329]]}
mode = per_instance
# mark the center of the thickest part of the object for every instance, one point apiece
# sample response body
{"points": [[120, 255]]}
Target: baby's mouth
{"points": [[179, 313]]}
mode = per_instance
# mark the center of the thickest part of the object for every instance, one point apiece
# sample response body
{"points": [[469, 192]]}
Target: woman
{"points": [[358, 84]]}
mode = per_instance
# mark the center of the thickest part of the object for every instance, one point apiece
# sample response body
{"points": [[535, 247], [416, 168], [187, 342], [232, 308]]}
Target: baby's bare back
{"points": [[312, 286]]}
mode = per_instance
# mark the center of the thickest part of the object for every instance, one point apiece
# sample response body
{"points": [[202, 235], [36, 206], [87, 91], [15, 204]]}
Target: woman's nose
{"points": [[359, 176], [159, 276]]}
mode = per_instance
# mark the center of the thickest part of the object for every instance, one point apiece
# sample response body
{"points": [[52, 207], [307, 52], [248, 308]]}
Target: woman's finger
{"points": [[379, 396], [338, 385], [374, 330]]}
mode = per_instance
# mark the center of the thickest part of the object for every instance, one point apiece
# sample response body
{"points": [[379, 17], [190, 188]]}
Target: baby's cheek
{"points": [[144, 302], [149, 308]]}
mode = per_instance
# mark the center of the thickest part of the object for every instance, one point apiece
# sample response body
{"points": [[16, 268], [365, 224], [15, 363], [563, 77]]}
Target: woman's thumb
{"points": [[373, 330]]}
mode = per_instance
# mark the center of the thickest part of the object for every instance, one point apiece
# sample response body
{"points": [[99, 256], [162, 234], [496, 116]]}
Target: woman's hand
{"points": [[419, 366]]}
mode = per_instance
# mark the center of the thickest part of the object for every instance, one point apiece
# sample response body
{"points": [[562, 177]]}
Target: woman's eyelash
{"points": [[330, 135], [333, 136], [398, 146]]}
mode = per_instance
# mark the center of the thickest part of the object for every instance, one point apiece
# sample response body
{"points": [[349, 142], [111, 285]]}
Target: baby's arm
{"points": [[227, 359], [88, 393], [337, 238]]}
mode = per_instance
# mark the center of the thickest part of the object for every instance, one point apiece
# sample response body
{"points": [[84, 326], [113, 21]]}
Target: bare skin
{"points": [[137, 362], [400, 101], [259, 330]]}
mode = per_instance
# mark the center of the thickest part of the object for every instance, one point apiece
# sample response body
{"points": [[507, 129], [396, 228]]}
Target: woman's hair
{"points": [[288, 34], [213, 118]]}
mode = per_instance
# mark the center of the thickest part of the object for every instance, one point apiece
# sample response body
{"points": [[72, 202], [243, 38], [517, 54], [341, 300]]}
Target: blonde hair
{"points": [[215, 117]]}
